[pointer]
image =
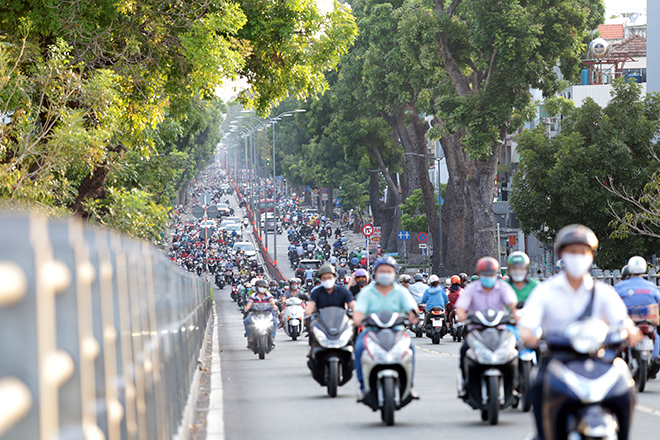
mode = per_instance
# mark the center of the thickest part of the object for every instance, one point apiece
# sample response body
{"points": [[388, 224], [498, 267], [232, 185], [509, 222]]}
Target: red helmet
{"points": [[488, 266], [455, 279]]}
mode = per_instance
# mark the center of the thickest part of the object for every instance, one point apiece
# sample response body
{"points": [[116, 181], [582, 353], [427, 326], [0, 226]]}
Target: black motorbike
{"points": [[330, 358], [436, 324], [219, 281], [490, 364], [309, 284], [262, 327]]}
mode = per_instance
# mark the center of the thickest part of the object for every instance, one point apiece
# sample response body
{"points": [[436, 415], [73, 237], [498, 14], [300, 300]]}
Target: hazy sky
{"points": [[614, 6]]}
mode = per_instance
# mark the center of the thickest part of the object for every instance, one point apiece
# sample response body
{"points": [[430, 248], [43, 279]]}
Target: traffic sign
{"points": [[212, 211], [422, 237], [404, 235], [422, 245], [198, 212], [315, 192], [324, 197], [325, 190], [367, 230], [204, 199]]}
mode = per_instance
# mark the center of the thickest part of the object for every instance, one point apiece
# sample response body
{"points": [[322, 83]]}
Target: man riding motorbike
{"points": [[563, 300], [636, 291], [489, 293], [361, 279], [418, 288], [519, 279], [434, 296], [262, 296], [383, 295], [327, 294]]}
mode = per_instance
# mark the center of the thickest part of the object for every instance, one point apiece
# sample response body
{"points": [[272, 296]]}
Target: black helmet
{"points": [[261, 283], [326, 268], [273, 283], [625, 273], [572, 234], [464, 278]]}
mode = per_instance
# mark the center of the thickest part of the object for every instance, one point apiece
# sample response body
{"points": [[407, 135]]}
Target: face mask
{"points": [[488, 282], [261, 289], [328, 284], [577, 265], [518, 275], [294, 288], [385, 278], [362, 283]]}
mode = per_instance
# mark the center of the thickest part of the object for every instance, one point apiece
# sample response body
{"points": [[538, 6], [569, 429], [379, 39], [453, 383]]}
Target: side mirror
{"points": [[303, 296]]}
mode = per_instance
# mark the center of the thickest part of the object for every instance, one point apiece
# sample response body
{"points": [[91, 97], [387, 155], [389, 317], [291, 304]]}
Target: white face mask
{"points": [[577, 265], [518, 275], [328, 284], [294, 288], [261, 289], [385, 278]]}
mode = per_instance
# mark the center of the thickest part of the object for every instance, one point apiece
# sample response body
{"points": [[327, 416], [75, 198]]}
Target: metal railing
{"points": [[99, 334]]}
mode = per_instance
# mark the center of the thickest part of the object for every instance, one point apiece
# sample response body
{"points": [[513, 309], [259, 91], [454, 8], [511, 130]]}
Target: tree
{"points": [[573, 178]]}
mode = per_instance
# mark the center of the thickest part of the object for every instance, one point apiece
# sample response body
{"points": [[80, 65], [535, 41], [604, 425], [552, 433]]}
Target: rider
{"points": [[455, 291], [489, 293], [636, 291], [519, 279], [404, 280], [418, 288], [464, 279], [361, 278], [262, 296], [383, 295], [294, 288], [434, 296], [562, 299]]}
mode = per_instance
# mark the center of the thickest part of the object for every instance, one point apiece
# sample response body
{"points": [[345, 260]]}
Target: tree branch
{"points": [[490, 68]]}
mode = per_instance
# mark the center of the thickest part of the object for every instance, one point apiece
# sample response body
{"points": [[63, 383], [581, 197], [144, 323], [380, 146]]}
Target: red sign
{"points": [[367, 230], [376, 235], [512, 239]]}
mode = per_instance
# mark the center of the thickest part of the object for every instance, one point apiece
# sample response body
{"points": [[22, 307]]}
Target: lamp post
{"points": [[441, 269]]}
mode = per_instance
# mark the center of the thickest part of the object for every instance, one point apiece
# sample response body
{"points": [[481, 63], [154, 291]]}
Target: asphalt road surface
{"points": [[277, 398]]}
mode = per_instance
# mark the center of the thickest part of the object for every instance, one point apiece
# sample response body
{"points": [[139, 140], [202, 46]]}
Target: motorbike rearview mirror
{"points": [[303, 296]]}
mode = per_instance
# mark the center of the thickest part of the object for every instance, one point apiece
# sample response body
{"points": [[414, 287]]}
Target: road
{"points": [[277, 398]]}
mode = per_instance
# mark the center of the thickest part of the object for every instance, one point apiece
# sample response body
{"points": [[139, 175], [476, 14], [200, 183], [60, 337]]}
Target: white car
{"points": [[207, 223], [236, 220], [246, 247]]}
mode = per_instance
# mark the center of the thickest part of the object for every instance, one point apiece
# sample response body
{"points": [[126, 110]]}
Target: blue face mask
{"points": [[488, 282]]}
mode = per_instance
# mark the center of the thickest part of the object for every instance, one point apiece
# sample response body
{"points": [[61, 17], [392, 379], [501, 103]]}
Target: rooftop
{"points": [[611, 31], [634, 46]]}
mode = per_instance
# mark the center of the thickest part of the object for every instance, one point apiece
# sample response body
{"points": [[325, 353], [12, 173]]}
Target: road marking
{"points": [[215, 428], [436, 352], [647, 410]]}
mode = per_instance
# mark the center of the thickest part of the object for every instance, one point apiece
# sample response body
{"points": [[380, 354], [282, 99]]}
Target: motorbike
{"points": [[293, 317], [527, 360], [234, 294], [309, 284], [387, 364], [279, 230], [587, 388], [456, 331], [261, 327], [418, 329], [638, 357], [330, 359], [490, 364], [229, 276], [436, 324], [219, 281]]}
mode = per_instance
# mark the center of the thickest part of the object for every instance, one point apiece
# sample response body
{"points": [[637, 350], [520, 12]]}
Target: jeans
{"points": [[656, 346], [246, 323], [357, 360]]}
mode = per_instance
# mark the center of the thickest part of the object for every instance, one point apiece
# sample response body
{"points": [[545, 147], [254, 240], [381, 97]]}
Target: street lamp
{"points": [[441, 269]]}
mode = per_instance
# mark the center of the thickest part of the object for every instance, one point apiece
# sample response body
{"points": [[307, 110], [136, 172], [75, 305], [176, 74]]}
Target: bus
{"points": [[267, 205]]}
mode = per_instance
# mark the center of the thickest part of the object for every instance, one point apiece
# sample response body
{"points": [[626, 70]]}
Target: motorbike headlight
{"points": [[262, 323], [321, 338]]}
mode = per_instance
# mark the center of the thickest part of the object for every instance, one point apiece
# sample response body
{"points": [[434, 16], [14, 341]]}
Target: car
{"points": [[269, 222], [225, 223], [246, 247], [311, 211], [208, 223], [303, 265], [236, 228], [236, 220], [223, 210], [225, 188]]}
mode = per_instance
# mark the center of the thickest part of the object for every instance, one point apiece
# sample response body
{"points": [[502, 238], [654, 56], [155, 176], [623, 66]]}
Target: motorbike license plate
{"points": [[437, 323], [294, 321], [645, 345]]}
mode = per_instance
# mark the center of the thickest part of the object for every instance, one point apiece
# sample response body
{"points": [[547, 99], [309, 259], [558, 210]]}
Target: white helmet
{"points": [[637, 265], [433, 279]]}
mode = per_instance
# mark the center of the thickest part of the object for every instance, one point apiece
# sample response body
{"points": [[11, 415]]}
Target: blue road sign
{"points": [[325, 190], [422, 237], [404, 235]]}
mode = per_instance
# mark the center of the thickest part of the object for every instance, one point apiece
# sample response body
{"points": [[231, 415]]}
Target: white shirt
{"points": [[554, 304], [417, 290]]}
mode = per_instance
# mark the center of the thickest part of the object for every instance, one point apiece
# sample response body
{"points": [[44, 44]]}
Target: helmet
{"points": [[572, 234], [455, 279], [475, 277], [637, 265], [463, 277], [625, 273], [273, 283], [559, 266], [361, 273], [434, 279], [419, 277], [326, 268], [261, 283], [519, 259], [294, 280], [388, 261], [405, 278], [488, 266]]}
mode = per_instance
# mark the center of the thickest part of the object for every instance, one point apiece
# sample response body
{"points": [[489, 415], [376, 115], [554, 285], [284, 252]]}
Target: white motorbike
{"points": [[293, 317]]}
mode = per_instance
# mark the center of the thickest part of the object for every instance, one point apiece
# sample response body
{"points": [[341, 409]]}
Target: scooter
{"points": [[234, 294], [219, 281], [293, 317], [330, 356], [638, 357], [262, 327], [588, 391], [527, 360], [418, 329], [387, 364], [490, 364], [309, 284], [436, 324]]}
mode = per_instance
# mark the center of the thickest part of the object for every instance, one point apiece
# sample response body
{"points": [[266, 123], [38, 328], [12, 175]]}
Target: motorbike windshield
{"points": [[333, 319], [261, 308]]}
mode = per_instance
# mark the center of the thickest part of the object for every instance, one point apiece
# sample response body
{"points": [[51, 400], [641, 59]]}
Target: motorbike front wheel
{"points": [[294, 333], [436, 339], [333, 377], [526, 386], [387, 411], [493, 399], [262, 347]]}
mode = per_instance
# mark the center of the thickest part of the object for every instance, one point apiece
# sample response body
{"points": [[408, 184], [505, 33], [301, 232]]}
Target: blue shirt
{"points": [[636, 291], [435, 297], [398, 300]]}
